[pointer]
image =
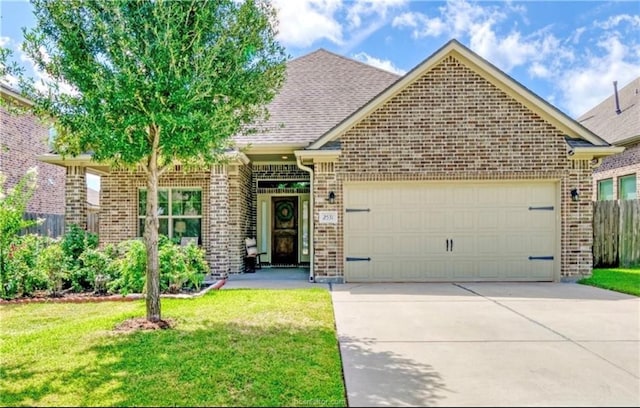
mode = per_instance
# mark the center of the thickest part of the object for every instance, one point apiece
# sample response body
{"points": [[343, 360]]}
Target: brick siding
{"points": [[614, 167], [76, 198], [241, 198], [452, 124], [22, 139]]}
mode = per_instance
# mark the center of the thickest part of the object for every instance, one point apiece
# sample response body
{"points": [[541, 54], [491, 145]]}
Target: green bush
{"points": [[41, 263], [52, 263], [130, 266], [13, 204], [22, 277], [97, 268], [74, 243]]}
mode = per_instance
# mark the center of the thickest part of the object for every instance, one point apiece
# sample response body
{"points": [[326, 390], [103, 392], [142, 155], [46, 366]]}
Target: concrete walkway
{"points": [[473, 344], [272, 278], [479, 344]]}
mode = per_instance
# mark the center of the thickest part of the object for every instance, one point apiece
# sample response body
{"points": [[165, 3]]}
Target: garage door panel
{"points": [[462, 220], [410, 220], [382, 221], [435, 220], [488, 220], [383, 270], [410, 227]]}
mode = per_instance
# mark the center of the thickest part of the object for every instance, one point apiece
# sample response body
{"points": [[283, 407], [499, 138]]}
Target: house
{"points": [[22, 139], [452, 172], [617, 120]]}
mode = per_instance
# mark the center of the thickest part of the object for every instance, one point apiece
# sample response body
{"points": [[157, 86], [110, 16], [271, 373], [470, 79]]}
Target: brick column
{"points": [[75, 211], [219, 222]]}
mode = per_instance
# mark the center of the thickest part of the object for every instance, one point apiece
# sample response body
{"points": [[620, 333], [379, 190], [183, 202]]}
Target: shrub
{"points": [[97, 268], [130, 266], [74, 243], [52, 263], [22, 277], [13, 204]]}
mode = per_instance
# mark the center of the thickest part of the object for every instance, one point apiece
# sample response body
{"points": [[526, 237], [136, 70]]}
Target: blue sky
{"points": [[567, 52]]}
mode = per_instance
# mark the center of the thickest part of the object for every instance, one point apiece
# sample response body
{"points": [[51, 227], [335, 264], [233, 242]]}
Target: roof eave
{"points": [[596, 152], [628, 141], [272, 148], [317, 155], [82, 160]]}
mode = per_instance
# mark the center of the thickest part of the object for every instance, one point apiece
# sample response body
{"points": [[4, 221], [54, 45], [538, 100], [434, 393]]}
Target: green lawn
{"points": [[618, 279], [227, 348]]}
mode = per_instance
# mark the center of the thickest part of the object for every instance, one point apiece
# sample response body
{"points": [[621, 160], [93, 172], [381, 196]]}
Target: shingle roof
{"points": [[612, 127], [320, 90]]}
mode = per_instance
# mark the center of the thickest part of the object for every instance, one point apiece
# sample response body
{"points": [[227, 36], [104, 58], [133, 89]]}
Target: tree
{"points": [[150, 83]]}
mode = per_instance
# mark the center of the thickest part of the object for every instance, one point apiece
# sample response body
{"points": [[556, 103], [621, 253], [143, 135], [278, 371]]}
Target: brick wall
{"points": [[452, 124], [76, 198], [613, 167], [119, 208], [22, 138], [218, 217], [241, 202]]}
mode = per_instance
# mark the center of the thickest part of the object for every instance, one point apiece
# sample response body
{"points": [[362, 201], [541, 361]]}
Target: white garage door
{"points": [[454, 231]]}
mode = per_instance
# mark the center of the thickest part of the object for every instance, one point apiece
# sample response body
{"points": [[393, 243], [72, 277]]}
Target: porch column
{"points": [[75, 211], [218, 247]]}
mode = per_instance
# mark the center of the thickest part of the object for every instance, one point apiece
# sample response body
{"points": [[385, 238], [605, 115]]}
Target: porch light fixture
{"points": [[575, 195], [332, 197]]}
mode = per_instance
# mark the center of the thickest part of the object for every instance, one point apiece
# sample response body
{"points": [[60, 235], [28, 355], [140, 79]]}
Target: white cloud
{"points": [[344, 23], [366, 8], [589, 83], [422, 25], [5, 42], [303, 22], [615, 21], [378, 63]]}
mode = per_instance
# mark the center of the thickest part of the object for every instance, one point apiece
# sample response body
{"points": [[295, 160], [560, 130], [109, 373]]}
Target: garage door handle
{"points": [[452, 245], [447, 240], [353, 259]]}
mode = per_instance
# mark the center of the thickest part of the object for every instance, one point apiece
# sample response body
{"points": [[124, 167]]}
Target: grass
{"points": [[618, 279], [227, 348]]}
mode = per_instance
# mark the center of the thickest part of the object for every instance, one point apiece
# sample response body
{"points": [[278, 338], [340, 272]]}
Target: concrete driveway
{"points": [[488, 344]]}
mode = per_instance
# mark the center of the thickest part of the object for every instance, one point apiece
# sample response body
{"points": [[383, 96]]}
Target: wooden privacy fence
{"points": [[52, 224], [616, 233]]}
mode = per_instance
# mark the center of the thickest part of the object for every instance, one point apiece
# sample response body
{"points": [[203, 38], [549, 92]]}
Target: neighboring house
{"points": [[93, 210], [617, 120], [453, 172], [22, 139]]}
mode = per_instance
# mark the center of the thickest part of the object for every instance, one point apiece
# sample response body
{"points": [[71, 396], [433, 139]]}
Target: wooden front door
{"points": [[285, 230]]}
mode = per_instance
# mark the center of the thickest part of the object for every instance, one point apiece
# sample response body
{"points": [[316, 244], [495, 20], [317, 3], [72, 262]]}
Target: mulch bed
{"points": [[141, 323], [70, 297]]}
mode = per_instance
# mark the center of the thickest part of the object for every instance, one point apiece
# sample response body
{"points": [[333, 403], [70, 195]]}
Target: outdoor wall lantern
{"points": [[575, 195], [332, 197]]}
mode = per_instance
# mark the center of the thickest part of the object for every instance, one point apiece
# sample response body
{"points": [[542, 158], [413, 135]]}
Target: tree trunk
{"points": [[151, 225]]}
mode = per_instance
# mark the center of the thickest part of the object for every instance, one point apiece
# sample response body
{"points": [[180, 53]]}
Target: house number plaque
{"points": [[328, 217]]}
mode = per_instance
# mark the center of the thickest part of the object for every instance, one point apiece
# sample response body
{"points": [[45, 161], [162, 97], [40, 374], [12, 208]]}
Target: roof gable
{"points": [[616, 128], [485, 69], [320, 90]]}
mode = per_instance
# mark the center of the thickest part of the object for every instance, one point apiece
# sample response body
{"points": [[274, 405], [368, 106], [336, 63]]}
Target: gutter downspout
{"points": [[311, 218]]}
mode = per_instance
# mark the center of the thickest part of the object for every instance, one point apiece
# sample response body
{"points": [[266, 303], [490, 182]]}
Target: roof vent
{"points": [[615, 92]]}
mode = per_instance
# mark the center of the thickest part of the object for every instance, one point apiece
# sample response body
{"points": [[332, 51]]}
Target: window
{"points": [[180, 212], [627, 187], [605, 190]]}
